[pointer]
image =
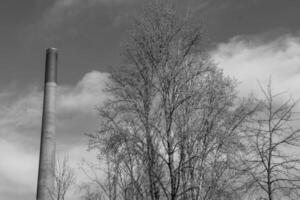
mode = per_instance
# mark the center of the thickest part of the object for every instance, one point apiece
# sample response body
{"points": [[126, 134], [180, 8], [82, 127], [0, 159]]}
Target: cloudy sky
{"points": [[252, 40]]}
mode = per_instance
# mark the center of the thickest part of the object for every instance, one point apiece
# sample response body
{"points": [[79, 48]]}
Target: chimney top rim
{"points": [[51, 49]]}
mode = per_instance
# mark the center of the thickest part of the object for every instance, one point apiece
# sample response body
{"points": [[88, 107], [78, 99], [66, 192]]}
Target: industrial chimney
{"points": [[46, 174]]}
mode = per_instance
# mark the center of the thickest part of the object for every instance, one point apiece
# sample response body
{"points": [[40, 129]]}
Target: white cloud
{"points": [[19, 111], [20, 122], [17, 168], [252, 59], [23, 112], [87, 94]]}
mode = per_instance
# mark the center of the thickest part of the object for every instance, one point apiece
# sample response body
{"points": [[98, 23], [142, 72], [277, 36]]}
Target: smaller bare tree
{"points": [[89, 192], [271, 166], [104, 179], [64, 179]]}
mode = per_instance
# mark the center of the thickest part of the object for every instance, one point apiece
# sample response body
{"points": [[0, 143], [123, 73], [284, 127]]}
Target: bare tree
{"points": [[272, 165], [170, 125], [105, 180], [64, 179], [89, 193]]}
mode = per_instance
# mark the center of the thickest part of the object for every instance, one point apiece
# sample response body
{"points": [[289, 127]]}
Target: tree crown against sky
{"points": [[171, 128]]}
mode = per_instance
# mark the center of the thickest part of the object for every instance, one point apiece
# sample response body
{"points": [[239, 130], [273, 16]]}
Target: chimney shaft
{"points": [[46, 174]]}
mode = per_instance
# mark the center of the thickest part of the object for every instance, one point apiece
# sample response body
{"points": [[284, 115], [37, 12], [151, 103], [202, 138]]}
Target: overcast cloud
{"points": [[253, 59], [88, 34], [20, 121], [246, 58]]}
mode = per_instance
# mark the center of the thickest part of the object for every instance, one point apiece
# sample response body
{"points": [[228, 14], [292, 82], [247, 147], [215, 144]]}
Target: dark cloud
{"points": [[88, 33]]}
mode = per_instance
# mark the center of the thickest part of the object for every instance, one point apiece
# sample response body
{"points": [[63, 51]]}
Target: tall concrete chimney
{"points": [[46, 174]]}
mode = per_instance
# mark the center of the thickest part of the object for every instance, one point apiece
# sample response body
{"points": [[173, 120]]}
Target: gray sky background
{"points": [[251, 39]]}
